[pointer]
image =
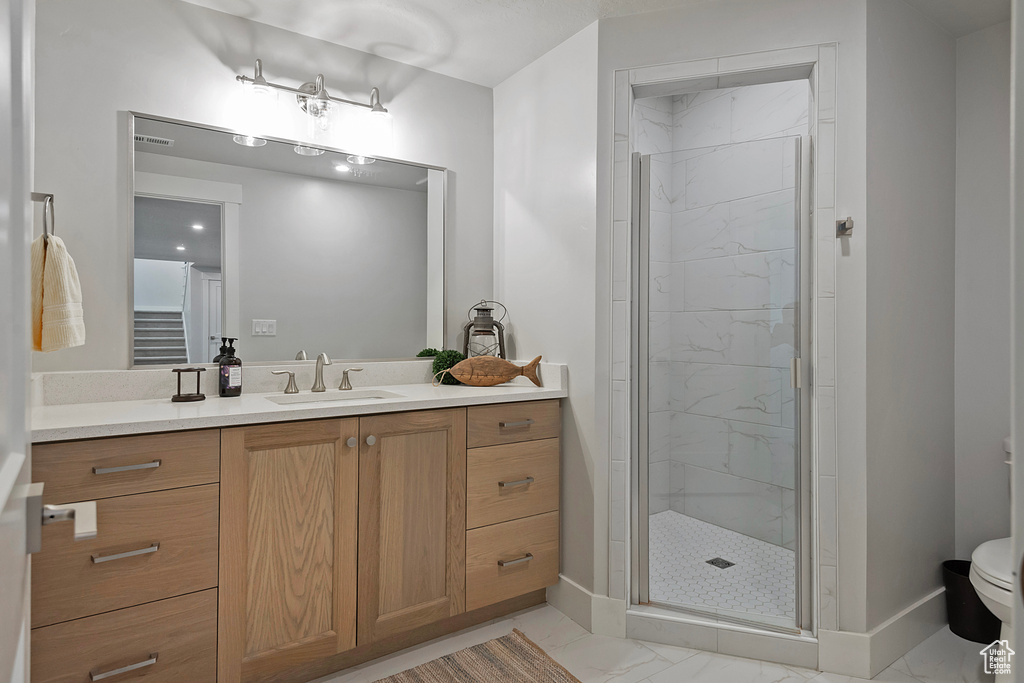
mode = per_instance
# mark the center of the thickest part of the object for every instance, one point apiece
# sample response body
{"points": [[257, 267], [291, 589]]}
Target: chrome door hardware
{"points": [[126, 468], [508, 563], [844, 228], [38, 515], [98, 559], [346, 385], [292, 387], [124, 669], [521, 482]]}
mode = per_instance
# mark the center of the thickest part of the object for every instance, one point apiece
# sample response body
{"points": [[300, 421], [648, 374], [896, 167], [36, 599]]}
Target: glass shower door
{"points": [[717, 401]]}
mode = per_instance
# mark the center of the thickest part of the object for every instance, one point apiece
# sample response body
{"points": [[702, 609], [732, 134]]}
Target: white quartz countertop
{"points": [[116, 418]]}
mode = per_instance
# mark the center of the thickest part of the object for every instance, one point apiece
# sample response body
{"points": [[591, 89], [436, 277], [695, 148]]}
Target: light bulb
{"points": [[341, 168], [197, 226], [181, 247], [249, 140], [305, 151]]}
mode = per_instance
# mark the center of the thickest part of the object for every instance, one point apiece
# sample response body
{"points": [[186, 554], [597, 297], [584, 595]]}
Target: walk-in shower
{"points": [[719, 201]]}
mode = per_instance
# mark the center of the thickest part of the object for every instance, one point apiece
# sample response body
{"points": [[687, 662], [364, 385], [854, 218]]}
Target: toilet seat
{"points": [[993, 561]]}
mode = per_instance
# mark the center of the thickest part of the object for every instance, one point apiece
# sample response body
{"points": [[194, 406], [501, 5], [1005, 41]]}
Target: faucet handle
{"points": [[301, 355], [345, 383], [292, 388]]}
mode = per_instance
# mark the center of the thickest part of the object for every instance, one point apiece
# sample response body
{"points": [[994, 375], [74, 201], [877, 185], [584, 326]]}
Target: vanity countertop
{"points": [[117, 418]]}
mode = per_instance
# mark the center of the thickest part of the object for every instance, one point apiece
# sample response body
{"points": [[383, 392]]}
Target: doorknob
{"points": [[83, 515]]}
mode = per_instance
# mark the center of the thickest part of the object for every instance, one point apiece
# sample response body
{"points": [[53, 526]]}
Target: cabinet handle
{"points": [[352, 442], [522, 423], [126, 468], [521, 482], [97, 559], [124, 669], [519, 560], [370, 440]]}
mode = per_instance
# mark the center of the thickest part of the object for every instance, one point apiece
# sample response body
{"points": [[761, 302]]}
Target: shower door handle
{"points": [[795, 380]]}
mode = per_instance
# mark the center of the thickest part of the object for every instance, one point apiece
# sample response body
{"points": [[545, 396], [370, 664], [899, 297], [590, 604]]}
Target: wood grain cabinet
{"points": [[412, 520], [287, 546]]}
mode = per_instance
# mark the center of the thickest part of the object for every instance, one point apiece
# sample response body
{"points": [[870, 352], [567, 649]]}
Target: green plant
{"points": [[427, 352], [445, 360]]}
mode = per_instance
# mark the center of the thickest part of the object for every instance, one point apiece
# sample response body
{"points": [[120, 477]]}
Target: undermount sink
{"points": [[332, 396]]}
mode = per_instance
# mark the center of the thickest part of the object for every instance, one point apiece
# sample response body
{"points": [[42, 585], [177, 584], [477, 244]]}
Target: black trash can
{"points": [[968, 616]]}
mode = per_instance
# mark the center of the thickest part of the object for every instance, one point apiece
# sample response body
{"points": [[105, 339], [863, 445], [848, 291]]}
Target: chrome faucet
{"points": [[321, 360], [346, 385]]}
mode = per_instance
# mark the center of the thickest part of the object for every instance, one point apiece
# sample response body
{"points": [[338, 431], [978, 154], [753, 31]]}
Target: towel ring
{"points": [[49, 220]]}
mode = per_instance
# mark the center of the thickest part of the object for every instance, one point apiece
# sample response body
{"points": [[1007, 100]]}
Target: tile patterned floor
{"points": [[943, 658], [762, 581]]}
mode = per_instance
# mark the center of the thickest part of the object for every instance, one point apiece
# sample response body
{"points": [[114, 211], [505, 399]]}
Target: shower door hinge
{"points": [[794, 373]]}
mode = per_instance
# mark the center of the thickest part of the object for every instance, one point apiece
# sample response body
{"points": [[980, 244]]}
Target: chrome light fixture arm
{"points": [[313, 90]]}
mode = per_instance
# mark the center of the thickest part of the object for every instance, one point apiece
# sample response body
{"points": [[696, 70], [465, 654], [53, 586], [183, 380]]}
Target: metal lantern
{"points": [[485, 336]]}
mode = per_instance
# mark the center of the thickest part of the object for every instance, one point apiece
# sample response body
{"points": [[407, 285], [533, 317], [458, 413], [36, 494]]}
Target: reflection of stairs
{"points": [[159, 338]]}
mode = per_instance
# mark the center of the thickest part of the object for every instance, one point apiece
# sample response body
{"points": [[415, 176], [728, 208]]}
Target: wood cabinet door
{"points": [[287, 546], [412, 520]]}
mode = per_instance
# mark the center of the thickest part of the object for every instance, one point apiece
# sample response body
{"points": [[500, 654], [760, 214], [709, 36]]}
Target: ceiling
{"points": [[203, 144], [163, 225], [486, 41]]}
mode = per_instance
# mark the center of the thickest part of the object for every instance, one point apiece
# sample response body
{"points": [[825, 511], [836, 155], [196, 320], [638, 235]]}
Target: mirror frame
{"points": [[436, 334]]}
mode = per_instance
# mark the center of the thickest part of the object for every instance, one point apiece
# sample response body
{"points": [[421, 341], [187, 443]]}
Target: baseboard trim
{"points": [[865, 655], [596, 613]]}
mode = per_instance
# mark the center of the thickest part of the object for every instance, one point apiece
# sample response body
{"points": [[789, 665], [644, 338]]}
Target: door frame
{"points": [[207, 278], [229, 197]]}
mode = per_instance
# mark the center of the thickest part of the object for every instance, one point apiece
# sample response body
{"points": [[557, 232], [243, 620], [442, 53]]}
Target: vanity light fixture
{"points": [[249, 141], [305, 151], [360, 160], [312, 97]]}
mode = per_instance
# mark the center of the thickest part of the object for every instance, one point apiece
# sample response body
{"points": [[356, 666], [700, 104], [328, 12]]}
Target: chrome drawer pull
{"points": [[508, 563], [521, 482], [126, 468], [96, 559], [124, 669], [524, 423]]}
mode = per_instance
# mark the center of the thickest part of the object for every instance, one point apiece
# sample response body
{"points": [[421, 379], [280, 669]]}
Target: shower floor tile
{"points": [[760, 582]]}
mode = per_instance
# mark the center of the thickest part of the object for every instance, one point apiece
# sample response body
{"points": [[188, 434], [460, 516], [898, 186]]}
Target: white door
{"points": [[17, 29], [211, 315], [1017, 298]]}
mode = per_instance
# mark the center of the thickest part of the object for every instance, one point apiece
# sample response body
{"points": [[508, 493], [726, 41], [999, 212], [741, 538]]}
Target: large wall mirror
{"points": [[290, 248]]}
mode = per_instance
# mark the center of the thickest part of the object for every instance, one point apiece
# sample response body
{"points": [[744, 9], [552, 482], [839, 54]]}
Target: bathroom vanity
{"points": [[273, 547]]}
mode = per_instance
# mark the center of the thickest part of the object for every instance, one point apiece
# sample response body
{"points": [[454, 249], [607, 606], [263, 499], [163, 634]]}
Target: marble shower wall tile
{"points": [[659, 387], [736, 392], [758, 452], [745, 226], [733, 172], [769, 110], [789, 525], [763, 338], [659, 437], [652, 125], [703, 119], [738, 504], [752, 281], [659, 486]]}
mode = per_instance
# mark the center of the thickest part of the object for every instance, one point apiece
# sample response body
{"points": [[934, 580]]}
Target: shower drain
{"points": [[720, 563]]}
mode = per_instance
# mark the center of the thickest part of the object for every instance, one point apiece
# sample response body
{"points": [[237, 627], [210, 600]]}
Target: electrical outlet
{"points": [[264, 328]]}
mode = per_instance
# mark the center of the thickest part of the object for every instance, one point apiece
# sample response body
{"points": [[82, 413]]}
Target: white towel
{"points": [[57, 320]]}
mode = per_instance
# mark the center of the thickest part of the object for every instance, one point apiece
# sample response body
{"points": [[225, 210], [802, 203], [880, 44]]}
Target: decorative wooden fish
{"points": [[487, 371]]}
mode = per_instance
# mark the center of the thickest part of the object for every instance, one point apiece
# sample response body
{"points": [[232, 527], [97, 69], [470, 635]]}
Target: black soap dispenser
{"points": [[223, 349], [230, 370]]}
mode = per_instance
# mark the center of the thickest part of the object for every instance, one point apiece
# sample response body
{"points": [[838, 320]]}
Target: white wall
{"points": [[343, 271], [178, 60], [545, 129], [159, 286], [982, 287], [911, 155]]}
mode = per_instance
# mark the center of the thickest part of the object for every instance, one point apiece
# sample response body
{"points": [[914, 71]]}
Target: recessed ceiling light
{"points": [[249, 141], [308, 151], [360, 160], [181, 247], [197, 226], [341, 168]]}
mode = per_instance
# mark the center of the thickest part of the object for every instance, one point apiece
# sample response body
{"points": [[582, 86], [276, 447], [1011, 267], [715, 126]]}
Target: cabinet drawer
{"points": [[179, 633], [101, 468], [497, 567], [148, 547], [513, 422], [511, 481]]}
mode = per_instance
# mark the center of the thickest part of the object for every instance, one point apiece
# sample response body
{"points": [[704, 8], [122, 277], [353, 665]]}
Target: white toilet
{"points": [[992, 577]]}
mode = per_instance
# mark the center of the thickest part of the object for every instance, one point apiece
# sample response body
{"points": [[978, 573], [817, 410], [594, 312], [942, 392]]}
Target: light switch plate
{"points": [[264, 328]]}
